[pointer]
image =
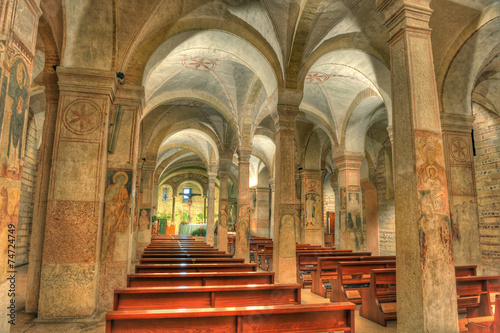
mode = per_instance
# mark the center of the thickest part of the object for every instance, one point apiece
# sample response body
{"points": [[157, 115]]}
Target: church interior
{"points": [[343, 149]]}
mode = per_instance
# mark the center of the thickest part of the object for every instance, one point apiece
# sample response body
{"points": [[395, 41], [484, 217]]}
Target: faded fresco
{"points": [[313, 216], [434, 222], [117, 210], [223, 214], [287, 239], [242, 232], [144, 219], [15, 102]]}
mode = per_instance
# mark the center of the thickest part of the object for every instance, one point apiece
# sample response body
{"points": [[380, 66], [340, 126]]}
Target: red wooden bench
{"points": [[378, 301], [326, 269], [196, 267], [198, 279], [279, 318], [206, 297], [160, 260]]}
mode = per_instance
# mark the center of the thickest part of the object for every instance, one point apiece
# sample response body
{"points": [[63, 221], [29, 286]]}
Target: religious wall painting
{"points": [[313, 216], [116, 208], [223, 214], [144, 219], [435, 235], [15, 104], [431, 174], [9, 208], [343, 198], [356, 239]]}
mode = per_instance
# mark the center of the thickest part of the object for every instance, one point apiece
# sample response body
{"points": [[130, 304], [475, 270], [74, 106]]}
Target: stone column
{"points": [[223, 209], [271, 219], [371, 206], [173, 208], [211, 208], [351, 222], [336, 190], [262, 211], [284, 261], [312, 201], [426, 298], [75, 207], [300, 230], [243, 222], [122, 160], [461, 188], [41, 191]]}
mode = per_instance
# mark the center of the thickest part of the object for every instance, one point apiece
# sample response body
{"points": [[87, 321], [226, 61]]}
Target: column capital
{"points": [[403, 14], [348, 160], [212, 176], [131, 95], [244, 154], [310, 173], [390, 130], [87, 81], [271, 184], [456, 122], [284, 120]]}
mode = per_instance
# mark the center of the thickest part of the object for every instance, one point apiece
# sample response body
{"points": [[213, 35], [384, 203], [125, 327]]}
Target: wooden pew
{"points": [[183, 252], [378, 301], [308, 260], [189, 260], [352, 277], [206, 297], [278, 318], [474, 294], [187, 255], [265, 256], [326, 269], [198, 279], [208, 267], [488, 324]]}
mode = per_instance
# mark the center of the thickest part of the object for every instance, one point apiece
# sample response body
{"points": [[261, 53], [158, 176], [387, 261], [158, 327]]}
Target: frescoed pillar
{"points": [[284, 260], [79, 187], [145, 203], [211, 208], [253, 206], [371, 209], [350, 200], [426, 298], [462, 189], [18, 35], [312, 201], [243, 222], [123, 153]]}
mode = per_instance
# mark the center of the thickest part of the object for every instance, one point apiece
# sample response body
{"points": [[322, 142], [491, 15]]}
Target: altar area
{"points": [[188, 228]]}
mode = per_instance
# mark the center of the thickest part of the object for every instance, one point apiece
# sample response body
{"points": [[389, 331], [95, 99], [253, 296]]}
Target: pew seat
{"points": [[206, 297], [279, 318]]}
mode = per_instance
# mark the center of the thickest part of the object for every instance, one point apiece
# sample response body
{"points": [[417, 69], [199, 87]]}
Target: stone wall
{"points": [[28, 182], [385, 210], [487, 165]]}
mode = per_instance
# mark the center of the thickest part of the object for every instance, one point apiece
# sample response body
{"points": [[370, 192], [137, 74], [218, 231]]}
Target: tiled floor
{"points": [[28, 323]]}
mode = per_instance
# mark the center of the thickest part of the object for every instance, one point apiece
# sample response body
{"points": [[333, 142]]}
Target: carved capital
{"points": [[244, 154], [456, 122], [405, 14], [87, 81], [347, 160]]}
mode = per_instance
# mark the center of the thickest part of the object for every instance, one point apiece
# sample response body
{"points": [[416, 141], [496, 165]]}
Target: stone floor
{"points": [[28, 322]]}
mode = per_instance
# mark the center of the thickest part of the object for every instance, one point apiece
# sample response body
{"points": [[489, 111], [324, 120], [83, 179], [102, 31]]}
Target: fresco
{"points": [[116, 208], [15, 103], [313, 210], [144, 219]]}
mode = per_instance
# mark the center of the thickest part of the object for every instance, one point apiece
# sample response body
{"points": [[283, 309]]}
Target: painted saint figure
{"points": [[117, 202], [144, 220]]}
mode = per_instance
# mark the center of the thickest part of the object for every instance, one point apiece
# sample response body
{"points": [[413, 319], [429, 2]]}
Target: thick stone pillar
{"points": [[336, 190], [350, 200], [426, 298], [69, 281], [271, 218], [243, 222], [41, 191], [300, 230], [211, 208], [461, 188], [123, 152], [284, 261], [312, 201], [223, 209], [371, 207], [262, 211]]}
